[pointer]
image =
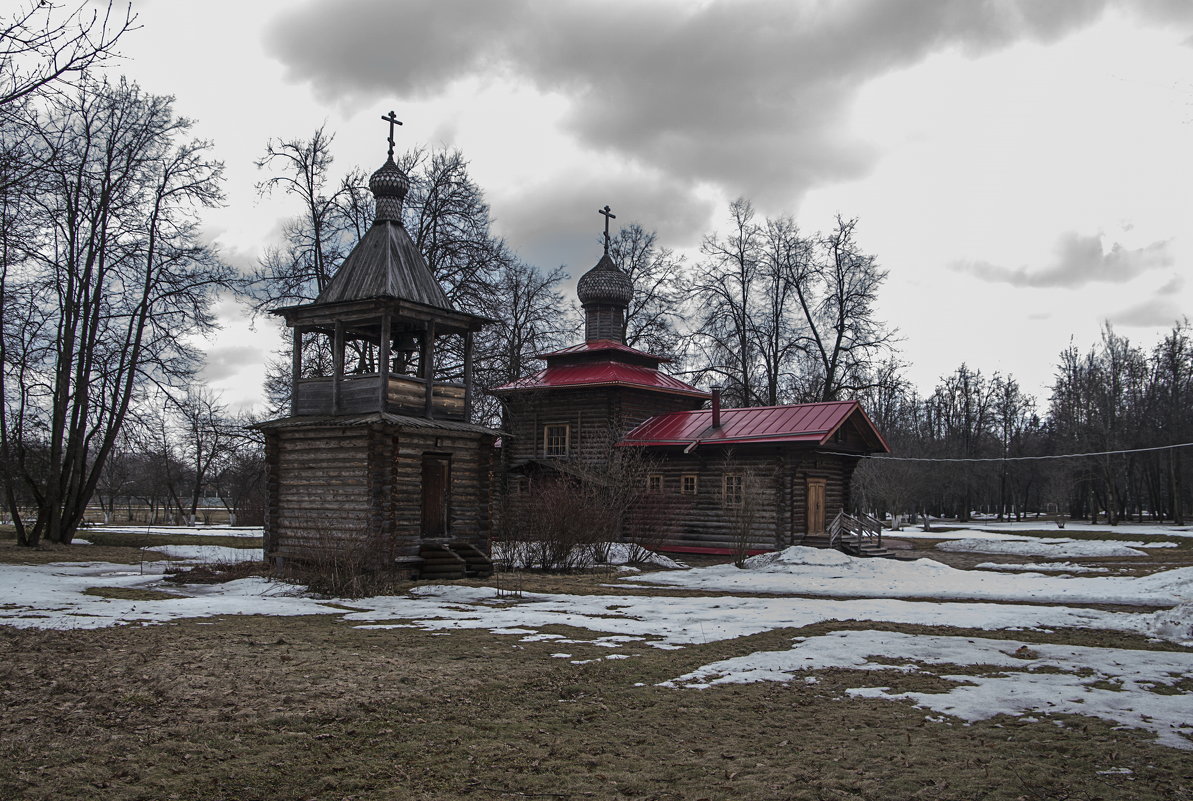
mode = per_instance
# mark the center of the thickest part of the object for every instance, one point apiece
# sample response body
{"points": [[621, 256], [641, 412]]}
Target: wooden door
{"points": [[816, 506], [437, 471]]}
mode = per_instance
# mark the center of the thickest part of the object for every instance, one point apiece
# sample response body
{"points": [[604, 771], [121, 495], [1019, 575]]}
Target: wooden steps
{"points": [[444, 561], [867, 550]]}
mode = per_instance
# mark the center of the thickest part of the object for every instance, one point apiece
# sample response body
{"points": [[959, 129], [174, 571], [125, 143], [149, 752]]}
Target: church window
{"points": [[734, 490], [556, 439], [654, 482], [688, 484]]}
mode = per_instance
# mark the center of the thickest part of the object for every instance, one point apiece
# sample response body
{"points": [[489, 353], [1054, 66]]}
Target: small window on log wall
{"points": [[654, 482], [555, 439], [688, 484], [733, 490]]}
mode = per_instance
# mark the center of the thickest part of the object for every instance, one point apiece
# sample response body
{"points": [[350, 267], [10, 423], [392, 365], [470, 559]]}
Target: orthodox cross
{"points": [[609, 215], [393, 120]]}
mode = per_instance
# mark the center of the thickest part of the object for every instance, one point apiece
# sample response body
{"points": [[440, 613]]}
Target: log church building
{"points": [[379, 459]]}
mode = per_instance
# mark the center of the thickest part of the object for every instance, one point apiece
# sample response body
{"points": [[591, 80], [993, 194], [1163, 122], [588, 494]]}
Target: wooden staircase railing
{"points": [[854, 533]]}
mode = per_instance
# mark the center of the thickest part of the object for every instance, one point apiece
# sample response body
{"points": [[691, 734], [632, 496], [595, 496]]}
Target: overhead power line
{"points": [[1024, 458]]}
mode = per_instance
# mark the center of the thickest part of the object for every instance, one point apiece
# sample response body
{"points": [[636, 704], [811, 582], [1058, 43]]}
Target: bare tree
{"points": [[722, 289], [844, 337], [315, 241], [655, 272], [206, 435], [112, 282], [44, 45]]}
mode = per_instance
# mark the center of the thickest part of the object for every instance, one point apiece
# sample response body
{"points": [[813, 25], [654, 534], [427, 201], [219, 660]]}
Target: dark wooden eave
{"points": [[366, 312], [375, 418]]}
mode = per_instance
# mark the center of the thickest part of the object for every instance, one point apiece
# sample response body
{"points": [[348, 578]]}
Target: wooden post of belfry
{"points": [[383, 361], [429, 369], [295, 369], [468, 376], [337, 366]]}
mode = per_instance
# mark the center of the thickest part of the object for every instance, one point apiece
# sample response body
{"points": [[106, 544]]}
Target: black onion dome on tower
{"points": [[605, 292], [605, 283], [389, 186]]}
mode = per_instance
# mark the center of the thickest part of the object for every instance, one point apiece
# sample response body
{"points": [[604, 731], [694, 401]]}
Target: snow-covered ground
{"points": [[192, 531], [795, 588], [1062, 567], [1011, 683], [208, 554], [51, 596], [1072, 526], [1050, 547], [813, 571]]}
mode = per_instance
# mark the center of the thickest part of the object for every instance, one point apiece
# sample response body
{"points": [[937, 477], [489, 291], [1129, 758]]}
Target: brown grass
{"points": [[311, 708], [273, 709], [131, 594]]}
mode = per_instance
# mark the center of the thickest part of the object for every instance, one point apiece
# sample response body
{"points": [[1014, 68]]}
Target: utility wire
{"points": [[1024, 458]]}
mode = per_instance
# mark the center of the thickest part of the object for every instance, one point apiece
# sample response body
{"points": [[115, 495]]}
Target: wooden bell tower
{"points": [[378, 462]]}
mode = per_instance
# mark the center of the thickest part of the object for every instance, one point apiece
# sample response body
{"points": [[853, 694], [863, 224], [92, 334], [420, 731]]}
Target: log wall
{"points": [[597, 417], [776, 485], [354, 489]]}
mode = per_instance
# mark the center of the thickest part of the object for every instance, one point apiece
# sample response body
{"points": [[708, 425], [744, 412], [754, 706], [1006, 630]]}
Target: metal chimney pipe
{"points": [[716, 406]]}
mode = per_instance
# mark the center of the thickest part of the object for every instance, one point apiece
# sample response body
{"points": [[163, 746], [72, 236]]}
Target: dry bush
{"points": [[561, 524], [337, 566]]}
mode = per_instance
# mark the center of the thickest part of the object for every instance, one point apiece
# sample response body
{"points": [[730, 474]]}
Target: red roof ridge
{"points": [[808, 423]]}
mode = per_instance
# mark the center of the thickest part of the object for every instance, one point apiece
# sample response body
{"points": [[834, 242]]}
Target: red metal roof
{"points": [[811, 423], [598, 346], [602, 373]]}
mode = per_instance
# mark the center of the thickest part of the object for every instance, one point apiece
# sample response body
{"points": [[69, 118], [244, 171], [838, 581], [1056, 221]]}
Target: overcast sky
{"points": [[1022, 169]]}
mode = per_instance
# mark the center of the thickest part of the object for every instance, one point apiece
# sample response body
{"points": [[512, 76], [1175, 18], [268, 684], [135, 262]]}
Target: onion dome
{"points": [[389, 186], [605, 284]]}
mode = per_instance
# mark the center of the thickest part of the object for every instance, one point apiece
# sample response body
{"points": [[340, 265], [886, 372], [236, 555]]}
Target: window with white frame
{"points": [[689, 484], [654, 482], [556, 439]]}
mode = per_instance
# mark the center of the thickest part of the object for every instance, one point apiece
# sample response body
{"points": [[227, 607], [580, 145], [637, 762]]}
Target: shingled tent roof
{"points": [[385, 264]]}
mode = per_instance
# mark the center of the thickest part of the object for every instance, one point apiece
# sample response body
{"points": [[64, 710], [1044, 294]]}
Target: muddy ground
{"points": [[244, 708]]}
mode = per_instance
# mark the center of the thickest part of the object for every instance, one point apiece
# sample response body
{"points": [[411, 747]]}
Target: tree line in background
{"points": [[105, 283], [1116, 396]]}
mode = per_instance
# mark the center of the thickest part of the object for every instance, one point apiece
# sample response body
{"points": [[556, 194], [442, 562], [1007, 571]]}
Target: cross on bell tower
{"points": [[393, 120], [609, 215]]}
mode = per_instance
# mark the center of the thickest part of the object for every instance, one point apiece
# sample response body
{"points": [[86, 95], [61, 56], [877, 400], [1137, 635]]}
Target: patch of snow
{"points": [[1017, 688], [1174, 625], [1051, 547], [194, 531], [1079, 526], [815, 571], [28, 593], [51, 596], [78, 541], [209, 554], [1066, 567]]}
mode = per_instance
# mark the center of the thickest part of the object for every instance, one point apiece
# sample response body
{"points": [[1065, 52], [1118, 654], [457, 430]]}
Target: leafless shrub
{"points": [[560, 525], [339, 566]]}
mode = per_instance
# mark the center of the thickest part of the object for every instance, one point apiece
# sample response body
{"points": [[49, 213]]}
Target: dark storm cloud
{"points": [[1079, 260], [557, 223], [749, 94]]}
